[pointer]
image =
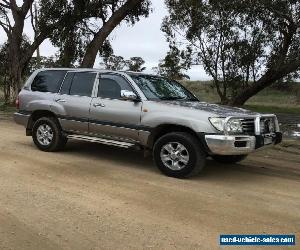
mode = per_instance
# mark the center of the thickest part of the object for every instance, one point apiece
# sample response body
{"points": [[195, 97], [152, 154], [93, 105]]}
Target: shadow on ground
{"points": [[135, 159]]}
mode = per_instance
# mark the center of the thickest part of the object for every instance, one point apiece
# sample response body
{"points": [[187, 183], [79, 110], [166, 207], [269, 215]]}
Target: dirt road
{"points": [[97, 197]]}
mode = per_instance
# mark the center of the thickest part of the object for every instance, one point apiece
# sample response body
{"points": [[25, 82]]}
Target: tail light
{"points": [[18, 102]]}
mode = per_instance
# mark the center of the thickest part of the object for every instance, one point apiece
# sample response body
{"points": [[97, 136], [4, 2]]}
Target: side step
{"points": [[101, 141]]}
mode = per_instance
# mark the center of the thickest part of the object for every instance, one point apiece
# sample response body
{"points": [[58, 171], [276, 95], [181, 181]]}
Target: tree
{"points": [[4, 70], [135, 64], [4, 65], [174, 64], [41, 62], [12, 21], [34, 64], [111, 16], [245, 46], [114, 62], [68, 24]]}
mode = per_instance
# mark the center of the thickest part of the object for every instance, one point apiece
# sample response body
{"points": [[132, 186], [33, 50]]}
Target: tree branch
{"points": [[107, 28]]}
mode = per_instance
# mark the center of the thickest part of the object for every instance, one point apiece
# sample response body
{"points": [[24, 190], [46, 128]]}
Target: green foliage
{"points": [[4, 55], [269, 100], [174, 64], [135, 64], [243, 45], [82, 20], [78, 28], [106, 50], [34, 63], [113, 62], [42, 62]]}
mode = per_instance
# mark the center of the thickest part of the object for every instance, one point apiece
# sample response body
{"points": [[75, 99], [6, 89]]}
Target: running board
{"points": [[101, 141]]}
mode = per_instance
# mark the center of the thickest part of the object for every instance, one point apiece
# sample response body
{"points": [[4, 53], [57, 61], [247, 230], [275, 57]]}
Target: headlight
{"points": [[233, 125], [217, 122]]}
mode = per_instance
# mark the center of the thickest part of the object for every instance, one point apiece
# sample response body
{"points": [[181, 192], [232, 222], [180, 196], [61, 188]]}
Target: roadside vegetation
{"points": [[244, 46], [271, 99]]}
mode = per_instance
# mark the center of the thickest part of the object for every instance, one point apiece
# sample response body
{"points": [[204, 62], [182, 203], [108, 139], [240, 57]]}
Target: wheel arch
{"points": [[164, 129], [37, 115]]}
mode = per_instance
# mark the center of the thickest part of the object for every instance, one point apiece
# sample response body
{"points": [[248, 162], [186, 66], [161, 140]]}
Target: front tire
{"points": [[179, 155], [229, 159], [47, 135]]}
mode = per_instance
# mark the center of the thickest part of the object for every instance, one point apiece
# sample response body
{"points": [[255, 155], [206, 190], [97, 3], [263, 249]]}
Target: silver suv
{"points": [[148, 112]]}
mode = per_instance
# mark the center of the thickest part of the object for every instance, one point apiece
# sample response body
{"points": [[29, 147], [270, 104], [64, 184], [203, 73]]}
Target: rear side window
{"points": [[82, 84], [48, 81]]}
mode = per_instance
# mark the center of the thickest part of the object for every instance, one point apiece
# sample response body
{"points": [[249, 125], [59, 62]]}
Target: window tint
{"points": [[48, 81], [159, 88], [111, 86], [65, 88], [83, 83]]}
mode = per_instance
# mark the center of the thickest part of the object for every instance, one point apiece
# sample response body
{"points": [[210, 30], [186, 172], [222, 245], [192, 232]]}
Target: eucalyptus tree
{"points": [[175, 63], [135, 64], [66, 23], [113, 13], [114, 62], [80, 42], [244, 45]]}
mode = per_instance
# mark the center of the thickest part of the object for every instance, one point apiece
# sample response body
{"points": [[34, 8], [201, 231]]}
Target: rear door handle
{"points": [[99, 105], [60, 100]]}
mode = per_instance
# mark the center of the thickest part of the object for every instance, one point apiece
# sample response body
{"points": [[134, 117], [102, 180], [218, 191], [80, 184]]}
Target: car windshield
{"points": [[160, 88]]}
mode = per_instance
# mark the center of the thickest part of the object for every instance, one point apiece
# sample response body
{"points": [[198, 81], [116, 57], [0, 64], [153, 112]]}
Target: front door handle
{"points": [[99, 105], [60, 100]]}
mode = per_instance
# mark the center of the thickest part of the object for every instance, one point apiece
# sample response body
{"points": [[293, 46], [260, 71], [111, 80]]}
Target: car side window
{"points": [[110, 86], [48, 81], [65, 88], [82, 84]]}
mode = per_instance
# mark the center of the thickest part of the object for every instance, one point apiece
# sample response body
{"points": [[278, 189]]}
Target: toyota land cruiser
{"points": [[128, 109]]}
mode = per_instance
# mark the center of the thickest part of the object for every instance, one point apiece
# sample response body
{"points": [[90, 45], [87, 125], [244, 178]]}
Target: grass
{"points": [[273, 109], [267, 101], [202, 90], [5, 108]]}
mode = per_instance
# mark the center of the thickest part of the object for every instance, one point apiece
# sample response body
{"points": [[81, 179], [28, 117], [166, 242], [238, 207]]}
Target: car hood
{"points": [[219, 110]]}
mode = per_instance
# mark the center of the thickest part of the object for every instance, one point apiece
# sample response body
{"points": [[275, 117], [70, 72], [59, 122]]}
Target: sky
{"points": [[144, 39]]}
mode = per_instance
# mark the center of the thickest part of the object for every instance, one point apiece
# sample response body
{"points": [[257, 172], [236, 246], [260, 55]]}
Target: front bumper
{"points": [[21, 118], [239, 144]]}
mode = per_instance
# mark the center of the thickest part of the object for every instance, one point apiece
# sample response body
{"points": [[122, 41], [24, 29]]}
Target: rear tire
{"points": [[179, 155], [229, 159], [47, 135]]}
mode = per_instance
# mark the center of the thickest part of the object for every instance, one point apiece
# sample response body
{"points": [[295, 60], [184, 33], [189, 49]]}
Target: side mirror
{"points": [[129, 95]]}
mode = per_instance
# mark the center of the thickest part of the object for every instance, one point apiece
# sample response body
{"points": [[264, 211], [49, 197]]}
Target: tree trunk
{"points": [[99, 38], [271, 76], [6, 89], [14, 63], [14, 73], [15, 84]]}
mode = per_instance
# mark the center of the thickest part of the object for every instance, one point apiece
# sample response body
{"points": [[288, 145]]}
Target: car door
{"points": [[112, 116], [74, 101]]}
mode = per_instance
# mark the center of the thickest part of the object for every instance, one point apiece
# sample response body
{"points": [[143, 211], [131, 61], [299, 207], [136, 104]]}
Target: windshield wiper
{"points": [[192, 99], [178, 98], [170, 98]]}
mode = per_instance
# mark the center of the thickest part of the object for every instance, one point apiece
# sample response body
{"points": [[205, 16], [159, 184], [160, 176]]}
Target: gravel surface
{"points": [[97, 197]]}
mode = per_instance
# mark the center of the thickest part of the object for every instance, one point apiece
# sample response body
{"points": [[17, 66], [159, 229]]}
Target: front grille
{"points": [[248, 126]]}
